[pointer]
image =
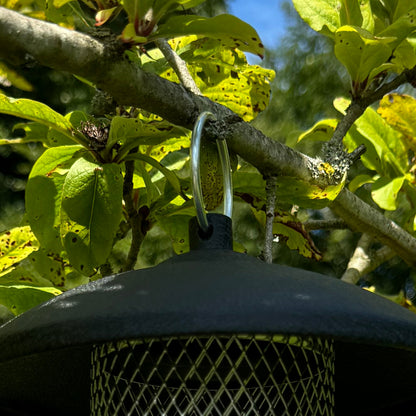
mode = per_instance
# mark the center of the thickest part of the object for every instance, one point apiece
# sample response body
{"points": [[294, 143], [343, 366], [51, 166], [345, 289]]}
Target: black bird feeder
{"points": [[209, 333]]}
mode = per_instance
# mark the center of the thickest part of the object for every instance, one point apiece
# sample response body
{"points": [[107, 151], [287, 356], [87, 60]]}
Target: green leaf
{"points": [[50, 266], [401, 28], [350, 13], [321, 131], [386, 152], [404, 57], [290, 190], [14, 78], [19, 298], [177, 227], [384, 192], [360, 52], [36, 111], [170, 175], [44, 191], [133, 132], [222, 74], [90, 213], [359, 181], [290, 230], [223, 26], [167, 147], [321, 15], [297, 192], [15, 245], [34, 132]]}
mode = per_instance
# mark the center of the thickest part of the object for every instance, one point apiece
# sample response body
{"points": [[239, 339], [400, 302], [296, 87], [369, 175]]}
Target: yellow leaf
{"points": [[400, 112]]}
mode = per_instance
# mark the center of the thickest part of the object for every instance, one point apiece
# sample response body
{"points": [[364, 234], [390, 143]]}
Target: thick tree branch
{"points": [[361, 217], [23, 40]]}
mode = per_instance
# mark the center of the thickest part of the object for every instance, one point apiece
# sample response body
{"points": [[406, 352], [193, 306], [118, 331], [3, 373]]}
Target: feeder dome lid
{"points": [[46, 351]]}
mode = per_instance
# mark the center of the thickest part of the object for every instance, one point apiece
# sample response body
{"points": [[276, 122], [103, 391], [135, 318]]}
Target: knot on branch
{"points": [[336, 161]]}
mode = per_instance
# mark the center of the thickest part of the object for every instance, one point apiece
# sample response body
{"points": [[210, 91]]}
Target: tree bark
{"points": [[24, 40]]}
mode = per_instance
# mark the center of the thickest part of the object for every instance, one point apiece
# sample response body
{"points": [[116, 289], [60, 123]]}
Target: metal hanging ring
{"points": [[196, 174]]}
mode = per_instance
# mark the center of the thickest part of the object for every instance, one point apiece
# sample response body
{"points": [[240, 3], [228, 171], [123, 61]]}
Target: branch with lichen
{"points": [[26, 40], [333, 151]]}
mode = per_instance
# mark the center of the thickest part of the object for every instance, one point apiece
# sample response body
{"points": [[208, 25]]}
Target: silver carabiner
{"points": [[196, 174]]}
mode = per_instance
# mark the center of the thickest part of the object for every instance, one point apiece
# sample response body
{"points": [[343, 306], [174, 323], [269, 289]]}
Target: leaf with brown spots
{"points": [[15, 245]]}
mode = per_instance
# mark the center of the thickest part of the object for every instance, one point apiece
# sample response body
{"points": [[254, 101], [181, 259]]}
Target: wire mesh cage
{"points": [[213, 376]]}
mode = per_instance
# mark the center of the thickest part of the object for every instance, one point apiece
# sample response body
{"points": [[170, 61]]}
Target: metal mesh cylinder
{"points": [[213, 376]]}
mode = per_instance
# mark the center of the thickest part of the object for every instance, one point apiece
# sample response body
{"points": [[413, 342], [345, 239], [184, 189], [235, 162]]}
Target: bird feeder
{"points": [[211, 332]]}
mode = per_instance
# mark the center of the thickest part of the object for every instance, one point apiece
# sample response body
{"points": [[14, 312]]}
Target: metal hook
{"points": [[196, 176]]}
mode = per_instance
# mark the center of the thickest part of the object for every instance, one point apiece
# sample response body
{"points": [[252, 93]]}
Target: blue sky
{"points": [[265, 16]]}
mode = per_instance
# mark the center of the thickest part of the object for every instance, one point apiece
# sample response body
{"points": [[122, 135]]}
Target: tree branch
{"points": [[332, 224], [359, 105], [361, 217], [271, 183], [24, 39], [178, 65], [363, 261]]}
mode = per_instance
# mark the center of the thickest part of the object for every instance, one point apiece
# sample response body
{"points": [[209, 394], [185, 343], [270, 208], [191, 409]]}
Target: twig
{"points": [[363, 261], [178, 65], [360, 104], [333, 224], [134, 218], [271, 182]]}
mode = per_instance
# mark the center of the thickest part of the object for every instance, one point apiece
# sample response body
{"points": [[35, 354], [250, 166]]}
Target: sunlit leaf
{"points": [[400, 112], [19, 298], [133, 132], [360, 180], [50, 266], [321, 131], [321, 15], [384, 192], [90, 212], [170, 175], [401, 28], [360, 52], [222, 74], [350, 13], [223, 26], [404, 57], [36, 111], [297, 192], [291, 231], [385, 152], [8, 75], [33, 132], [15, 245]]}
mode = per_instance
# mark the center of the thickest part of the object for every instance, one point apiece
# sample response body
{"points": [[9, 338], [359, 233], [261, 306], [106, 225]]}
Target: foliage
{"points": [[107, 180], [308, 77]]}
